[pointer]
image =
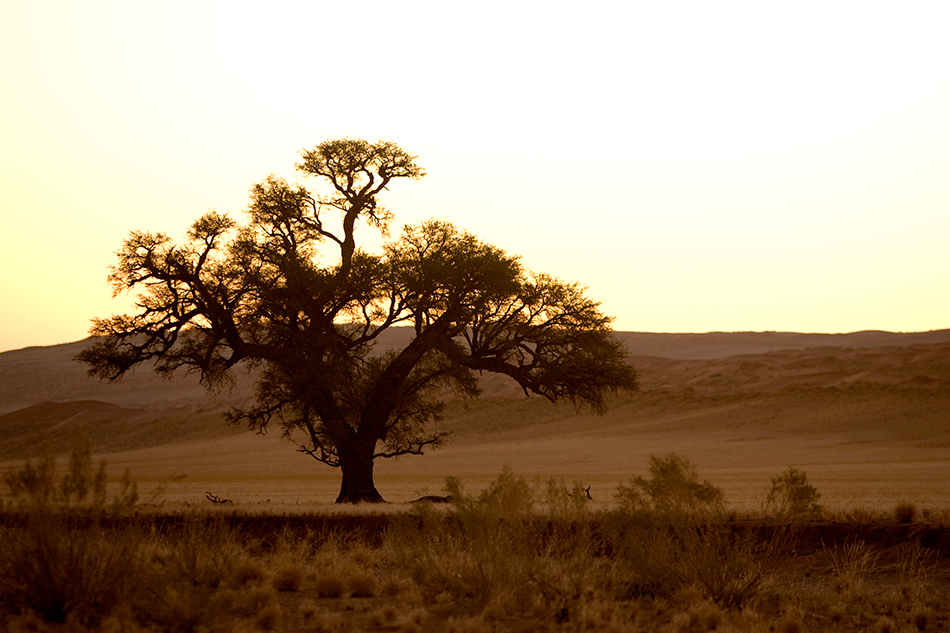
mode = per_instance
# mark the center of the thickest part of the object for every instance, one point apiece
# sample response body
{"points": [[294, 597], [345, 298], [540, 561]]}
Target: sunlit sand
{"points": [[868, 423]]}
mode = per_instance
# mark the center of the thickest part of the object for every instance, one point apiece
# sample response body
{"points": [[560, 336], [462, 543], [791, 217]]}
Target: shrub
{"points": [[792, 496], [508, 495], [905, 512], [363, 584], [485, 547], [58, 568], [289, 578], [673, 489], [249, 571], [564, 503], [35, 487], [330, 585], [721, 562], [269, 617], [202, 554]]}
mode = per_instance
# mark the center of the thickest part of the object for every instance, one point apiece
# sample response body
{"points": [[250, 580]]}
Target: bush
{"points": [[905, 512], [792, 496], [673, 489], [508, 495], [36, 487], [492, 551], [560, 502], [58, 568]]}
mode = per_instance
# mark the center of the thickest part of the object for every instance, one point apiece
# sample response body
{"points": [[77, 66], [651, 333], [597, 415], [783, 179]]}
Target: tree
{"points": [[290, 295]]}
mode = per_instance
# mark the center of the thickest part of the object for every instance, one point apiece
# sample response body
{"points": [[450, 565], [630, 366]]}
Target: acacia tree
{"points": [[290, 295]]}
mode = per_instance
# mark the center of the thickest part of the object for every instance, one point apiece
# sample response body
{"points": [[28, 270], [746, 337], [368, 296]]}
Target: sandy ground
{"points": [[869, 422]]}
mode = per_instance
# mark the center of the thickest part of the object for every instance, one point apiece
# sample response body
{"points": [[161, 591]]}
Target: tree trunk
{"points": [[356, 464]]}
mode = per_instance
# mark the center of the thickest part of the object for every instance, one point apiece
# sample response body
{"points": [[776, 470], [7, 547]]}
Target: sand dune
{"points": [[868, 415]]}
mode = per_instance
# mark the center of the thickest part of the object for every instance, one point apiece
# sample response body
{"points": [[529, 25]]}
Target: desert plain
{"points": [[866, 415]]}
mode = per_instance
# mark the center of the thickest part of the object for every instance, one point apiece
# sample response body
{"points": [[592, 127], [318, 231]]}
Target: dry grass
{"points": [[517, 556]]}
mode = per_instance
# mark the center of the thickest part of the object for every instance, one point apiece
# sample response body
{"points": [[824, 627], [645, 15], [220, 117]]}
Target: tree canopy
{"points": [[291, 295]]}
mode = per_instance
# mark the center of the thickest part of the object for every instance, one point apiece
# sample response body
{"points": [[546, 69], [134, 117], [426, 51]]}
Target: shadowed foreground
{"points": [[514, 557]]}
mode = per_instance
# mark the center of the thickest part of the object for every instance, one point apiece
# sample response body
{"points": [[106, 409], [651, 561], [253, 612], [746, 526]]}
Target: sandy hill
{"points": [[46, 397], [858, 407]]}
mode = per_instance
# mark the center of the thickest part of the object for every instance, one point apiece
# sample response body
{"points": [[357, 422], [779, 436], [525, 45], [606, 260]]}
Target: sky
{"points": [[698, 166]]}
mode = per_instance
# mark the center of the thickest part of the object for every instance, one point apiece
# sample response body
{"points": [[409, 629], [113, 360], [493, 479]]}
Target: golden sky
{"points": [[700, 166]]}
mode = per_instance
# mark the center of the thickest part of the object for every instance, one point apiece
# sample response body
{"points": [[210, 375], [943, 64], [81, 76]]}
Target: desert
{"points": [[864, 414], [757, 482]]}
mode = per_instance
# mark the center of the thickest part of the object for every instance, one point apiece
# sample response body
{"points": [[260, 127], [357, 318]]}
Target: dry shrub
{"points": [[417, 616], [383, 616], [363, 584], [886, 625], [257, 598], [790, 495], [673, 490], [408, 626], [326, 622], [705, 615], [475, 552], [790, 623], [724, 563], [82, 486], [905, 512], [289, 578], [269, 617], [202, 553], [837, 613], [330, 585], [249, 571], [851, 559], [398, 586], [59, 567]]}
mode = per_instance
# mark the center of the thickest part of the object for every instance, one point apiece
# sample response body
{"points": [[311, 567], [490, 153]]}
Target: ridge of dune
{"points": [[859, 385]]}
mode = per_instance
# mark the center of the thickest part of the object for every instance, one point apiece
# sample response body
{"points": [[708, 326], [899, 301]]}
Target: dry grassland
{"points": [[867, 417], [514, 556]]}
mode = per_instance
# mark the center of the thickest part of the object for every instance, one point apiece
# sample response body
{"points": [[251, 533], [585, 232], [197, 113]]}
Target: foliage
{"points": [[60, 567], [494, 551], [679, 538], [905, 512], [673, 489], [81, 486], [508, 495], [66, 563], [528, 562], [724, 564], [291, 295], [790, 495]]}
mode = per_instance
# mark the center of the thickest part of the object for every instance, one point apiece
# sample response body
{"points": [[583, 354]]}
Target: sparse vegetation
{"points": [[294, 295], [36, 486], [790, 495], [905, 512], [517, 555], [673, 490]]}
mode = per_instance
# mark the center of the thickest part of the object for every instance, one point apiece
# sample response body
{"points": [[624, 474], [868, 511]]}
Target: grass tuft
{"points": [[478, 564], [289, 578], [330, 585], [905, 512]]}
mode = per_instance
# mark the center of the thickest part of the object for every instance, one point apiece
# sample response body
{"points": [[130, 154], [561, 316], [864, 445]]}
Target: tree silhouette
{"points": [[290, 295]]}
